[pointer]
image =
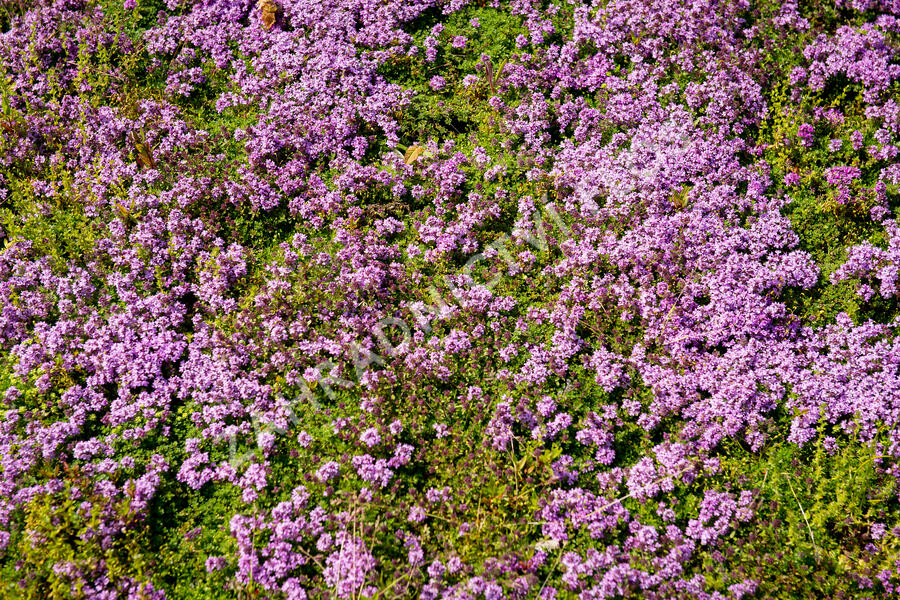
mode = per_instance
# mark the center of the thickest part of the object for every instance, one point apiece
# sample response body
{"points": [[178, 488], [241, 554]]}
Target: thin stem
{"points": [[803, 512]]}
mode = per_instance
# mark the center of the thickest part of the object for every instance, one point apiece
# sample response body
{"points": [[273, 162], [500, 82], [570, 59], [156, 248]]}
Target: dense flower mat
{"points": [[469, 299]]}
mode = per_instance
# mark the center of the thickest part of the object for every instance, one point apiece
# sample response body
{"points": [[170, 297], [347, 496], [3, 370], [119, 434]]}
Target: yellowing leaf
{"points": [[412, 154]]}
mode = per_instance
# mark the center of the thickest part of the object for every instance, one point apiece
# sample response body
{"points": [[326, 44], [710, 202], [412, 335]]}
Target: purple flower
{"points": [[370, 437], [215, 563], [546, 406], [436, 570], [499, 429], [416, 514], [328, 471], [841, 178], [372, 470], [304, 439], [791, 179], [805, 133]]}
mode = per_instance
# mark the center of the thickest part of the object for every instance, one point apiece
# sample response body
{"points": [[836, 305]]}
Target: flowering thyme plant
{"points": [[449, 299]]}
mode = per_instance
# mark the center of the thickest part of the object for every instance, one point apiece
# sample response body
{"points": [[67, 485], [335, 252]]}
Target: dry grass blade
{"points": [[493, 76], [803, 512]]}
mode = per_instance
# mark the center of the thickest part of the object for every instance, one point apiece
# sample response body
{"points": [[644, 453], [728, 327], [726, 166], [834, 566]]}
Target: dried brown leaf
{"points": [[268, 12], [143, 151]]}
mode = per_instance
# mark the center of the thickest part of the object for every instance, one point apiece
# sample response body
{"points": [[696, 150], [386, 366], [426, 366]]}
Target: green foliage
{"points": [[58, 531], [816, 510], [825, 227]]}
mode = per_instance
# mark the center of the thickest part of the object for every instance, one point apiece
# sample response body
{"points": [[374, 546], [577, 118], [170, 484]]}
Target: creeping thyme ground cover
{"points": [[341, 299]]}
